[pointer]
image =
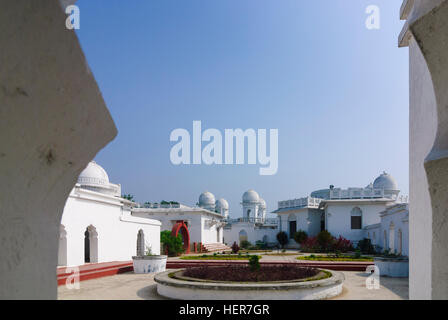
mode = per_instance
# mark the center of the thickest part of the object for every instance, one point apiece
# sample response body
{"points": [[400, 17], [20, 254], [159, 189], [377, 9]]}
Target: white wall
{"points": [[231, 235], [422, 131], [338, 219], [117, 230], [53, 121], [400, 223]]}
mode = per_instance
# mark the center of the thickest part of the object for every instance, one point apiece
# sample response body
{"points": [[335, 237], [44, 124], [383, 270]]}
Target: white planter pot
{"points": [[149, 264], [392, 267]]}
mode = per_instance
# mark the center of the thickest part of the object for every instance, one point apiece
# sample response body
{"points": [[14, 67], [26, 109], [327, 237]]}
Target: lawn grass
{"points": [[218, 257], [334, 258], [282, 254]]}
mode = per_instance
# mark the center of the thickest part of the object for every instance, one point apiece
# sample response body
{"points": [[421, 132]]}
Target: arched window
{"points": [[243, 236], [140, 243], [368, 235], [374, 238], [90, 245], [392, 237], [62, 252], [356, 218], [265, 239], [385, 240]]}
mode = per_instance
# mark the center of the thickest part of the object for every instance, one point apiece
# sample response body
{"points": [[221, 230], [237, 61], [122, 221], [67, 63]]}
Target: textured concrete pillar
{"points": [[53, 120], [426, 34]]}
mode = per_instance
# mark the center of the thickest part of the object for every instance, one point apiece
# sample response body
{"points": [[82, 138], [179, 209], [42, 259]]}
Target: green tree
{"points": [[129, 197], [282, 238]]}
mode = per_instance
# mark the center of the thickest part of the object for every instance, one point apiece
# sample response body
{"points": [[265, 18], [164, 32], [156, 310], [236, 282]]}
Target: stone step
{"points": [[210, 247]]}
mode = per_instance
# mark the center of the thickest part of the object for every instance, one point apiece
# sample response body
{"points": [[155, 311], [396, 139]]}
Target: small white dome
{"points": [[262, 204], [251, 196], [206, 199], [222, 204], [93, 175], [385, 181]]}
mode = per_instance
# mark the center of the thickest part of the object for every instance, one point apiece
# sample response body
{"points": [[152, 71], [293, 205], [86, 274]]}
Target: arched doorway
{"points": [[140, 243], [292, 224], [181, 227], [62, 251], [90, 245], [242, 236]]}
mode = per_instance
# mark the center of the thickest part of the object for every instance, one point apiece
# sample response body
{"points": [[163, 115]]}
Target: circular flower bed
{"points": [[246, 274], [242, 283]]}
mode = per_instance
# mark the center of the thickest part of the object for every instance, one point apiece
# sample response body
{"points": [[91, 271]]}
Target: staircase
{"points": [[212, 247]]}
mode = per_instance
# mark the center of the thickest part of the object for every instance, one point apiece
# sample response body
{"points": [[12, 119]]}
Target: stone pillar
{"points": [[53, 121], [426, 34]]}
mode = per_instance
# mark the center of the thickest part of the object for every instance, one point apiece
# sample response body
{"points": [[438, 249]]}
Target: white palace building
{"points": [[376, 212], [98, 225]]}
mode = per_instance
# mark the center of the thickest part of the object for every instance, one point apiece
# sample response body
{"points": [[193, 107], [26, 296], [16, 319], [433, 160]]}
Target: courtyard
{"points": [[130, 286]]}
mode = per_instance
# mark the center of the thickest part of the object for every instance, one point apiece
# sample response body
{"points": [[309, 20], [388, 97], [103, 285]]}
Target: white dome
{"points": [[251, 196], [93, 175], [262, 204], [222, 204], [385, 181], [206, 199]]}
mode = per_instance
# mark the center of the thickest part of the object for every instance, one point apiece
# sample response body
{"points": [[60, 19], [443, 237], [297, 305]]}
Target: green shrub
{"points": [[260, 245], [254, 263], [172, 244], [245, 244], [365, 246], [325, 240], [235, 247], [282, 238], [300, 236]]}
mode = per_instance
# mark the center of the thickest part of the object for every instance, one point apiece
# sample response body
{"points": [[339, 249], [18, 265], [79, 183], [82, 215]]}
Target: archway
{"points": [[181, 227], [242, 236], [62, 251], [292, 225], [140, 243], [90, 245]]}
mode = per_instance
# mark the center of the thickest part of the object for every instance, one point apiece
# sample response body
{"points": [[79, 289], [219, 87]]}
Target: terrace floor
{"points": [[130, 286]]}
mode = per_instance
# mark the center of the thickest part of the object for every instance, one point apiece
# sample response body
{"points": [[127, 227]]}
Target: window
{"points": [[356, 218]]}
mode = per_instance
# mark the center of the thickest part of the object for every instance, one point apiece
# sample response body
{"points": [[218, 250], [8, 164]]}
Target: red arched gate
{"points": [[181, 227]]}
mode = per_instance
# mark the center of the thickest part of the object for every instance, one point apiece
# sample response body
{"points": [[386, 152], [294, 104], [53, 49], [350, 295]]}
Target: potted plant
{"points": [[149, 263]]}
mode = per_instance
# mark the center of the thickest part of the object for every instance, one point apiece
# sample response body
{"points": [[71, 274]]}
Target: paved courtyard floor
{"points": [[130, 286]]}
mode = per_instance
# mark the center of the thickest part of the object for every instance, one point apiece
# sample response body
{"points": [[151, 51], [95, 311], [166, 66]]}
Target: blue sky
{"points": [[336, 91]]}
